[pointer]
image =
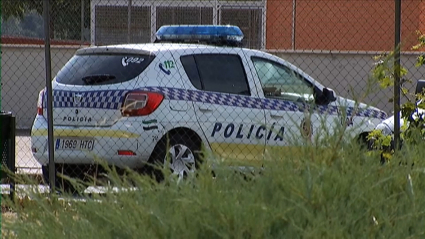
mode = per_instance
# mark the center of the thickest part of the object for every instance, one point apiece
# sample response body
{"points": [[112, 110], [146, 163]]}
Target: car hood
{"points": [[349, 103]]}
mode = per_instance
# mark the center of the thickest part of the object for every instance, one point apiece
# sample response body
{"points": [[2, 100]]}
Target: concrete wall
{"points": [[23, 75]]}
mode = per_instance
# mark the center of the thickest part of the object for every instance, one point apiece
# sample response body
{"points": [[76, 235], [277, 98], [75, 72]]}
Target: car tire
{"points": [[178, 153]]}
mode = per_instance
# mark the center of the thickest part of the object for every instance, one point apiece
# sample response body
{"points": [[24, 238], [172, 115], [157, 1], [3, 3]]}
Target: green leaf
{"points": [[404, 91], [386, 141], [403, 71], [421, 105], [420, 61], [386, 82]]}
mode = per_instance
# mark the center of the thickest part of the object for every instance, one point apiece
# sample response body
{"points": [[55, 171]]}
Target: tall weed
{"points": [[304, 195]]}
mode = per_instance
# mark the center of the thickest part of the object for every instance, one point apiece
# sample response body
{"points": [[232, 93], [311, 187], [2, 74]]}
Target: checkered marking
{"points": [[89, 99], [112, 99]]}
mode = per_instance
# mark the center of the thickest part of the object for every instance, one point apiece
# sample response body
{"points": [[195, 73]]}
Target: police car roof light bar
{"points": [[225, 35]]}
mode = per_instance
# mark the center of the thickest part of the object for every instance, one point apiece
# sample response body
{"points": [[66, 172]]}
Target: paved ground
{"points": [[25, 162], [26, 190]]}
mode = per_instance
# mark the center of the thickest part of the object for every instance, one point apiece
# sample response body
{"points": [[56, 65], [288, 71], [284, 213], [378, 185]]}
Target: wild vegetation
{"points": [[317, 193]]}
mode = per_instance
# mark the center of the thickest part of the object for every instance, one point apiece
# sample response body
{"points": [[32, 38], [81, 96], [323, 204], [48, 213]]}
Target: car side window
{"points": [[217, 72], [279, 81], [191, 70]]}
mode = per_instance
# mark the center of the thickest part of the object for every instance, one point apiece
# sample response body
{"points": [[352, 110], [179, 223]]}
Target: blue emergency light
{"points": [[226, 35]]}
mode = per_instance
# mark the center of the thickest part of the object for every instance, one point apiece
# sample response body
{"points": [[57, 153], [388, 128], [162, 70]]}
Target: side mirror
{"points": [[420, 86], [324, 97], [329, 94]]}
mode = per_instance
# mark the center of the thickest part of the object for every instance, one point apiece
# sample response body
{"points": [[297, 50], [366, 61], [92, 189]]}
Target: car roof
{"points": [[146, 48]]}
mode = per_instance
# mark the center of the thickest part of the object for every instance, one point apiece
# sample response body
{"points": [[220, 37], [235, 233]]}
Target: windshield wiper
{"points": [[96, 79]]}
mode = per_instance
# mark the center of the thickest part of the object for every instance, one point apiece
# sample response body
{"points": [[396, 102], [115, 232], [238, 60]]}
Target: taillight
{"points": [[126, 153], [40, 102], [140, 103]]}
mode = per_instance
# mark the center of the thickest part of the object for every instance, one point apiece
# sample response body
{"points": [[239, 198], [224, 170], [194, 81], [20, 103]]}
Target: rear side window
{"points": [[189, 66], [102, 69], [216, 72]]}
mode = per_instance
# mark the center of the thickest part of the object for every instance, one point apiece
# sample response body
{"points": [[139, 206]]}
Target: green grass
{"points": [[308, 195]]}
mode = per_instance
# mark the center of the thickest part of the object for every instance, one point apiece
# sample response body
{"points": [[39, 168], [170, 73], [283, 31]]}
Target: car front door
{"points": [[289, 104]]}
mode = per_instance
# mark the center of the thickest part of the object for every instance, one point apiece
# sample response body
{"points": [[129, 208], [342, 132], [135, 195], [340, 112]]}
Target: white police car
{"points": [[121, 103]]}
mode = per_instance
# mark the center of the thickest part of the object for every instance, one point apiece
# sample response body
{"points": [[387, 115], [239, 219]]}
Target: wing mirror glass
{"points": [[329, 94], [325, 96]]}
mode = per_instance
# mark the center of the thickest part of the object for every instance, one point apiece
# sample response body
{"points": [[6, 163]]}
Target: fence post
{"points": [[49, 95], [129, 22], [12, 156], [82, 21], [397, 74], [7, 149]]}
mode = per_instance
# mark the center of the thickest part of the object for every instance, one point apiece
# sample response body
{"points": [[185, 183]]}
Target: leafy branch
{"points": [[412, 130]]}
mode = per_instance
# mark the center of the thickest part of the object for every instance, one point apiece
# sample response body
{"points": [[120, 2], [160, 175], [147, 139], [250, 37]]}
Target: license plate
{"points": [[74, 144]]}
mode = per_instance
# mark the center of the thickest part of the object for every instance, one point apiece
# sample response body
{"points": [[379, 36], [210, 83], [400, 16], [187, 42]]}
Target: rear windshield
{"points": [[102, 69]]}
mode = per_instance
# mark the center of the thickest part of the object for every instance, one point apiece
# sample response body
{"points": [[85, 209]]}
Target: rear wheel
{"points": [[178, 153]]}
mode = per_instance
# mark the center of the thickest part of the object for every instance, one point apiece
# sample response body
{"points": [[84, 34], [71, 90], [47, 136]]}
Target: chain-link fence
{"points": [[118, 103]]}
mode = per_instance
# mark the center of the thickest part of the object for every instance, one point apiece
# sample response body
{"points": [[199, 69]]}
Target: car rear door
{"points": [[226, 104]]}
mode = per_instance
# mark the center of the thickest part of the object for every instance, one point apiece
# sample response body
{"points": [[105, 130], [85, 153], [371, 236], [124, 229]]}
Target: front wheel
{"points": [[178, 153]]}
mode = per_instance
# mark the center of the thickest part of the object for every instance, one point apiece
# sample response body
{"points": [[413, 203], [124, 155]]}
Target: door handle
{"points": [[276, 115], [204, 109]]}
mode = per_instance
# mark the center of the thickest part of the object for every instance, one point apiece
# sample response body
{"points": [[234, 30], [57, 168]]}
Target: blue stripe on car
{"points": [[113, 99]]}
